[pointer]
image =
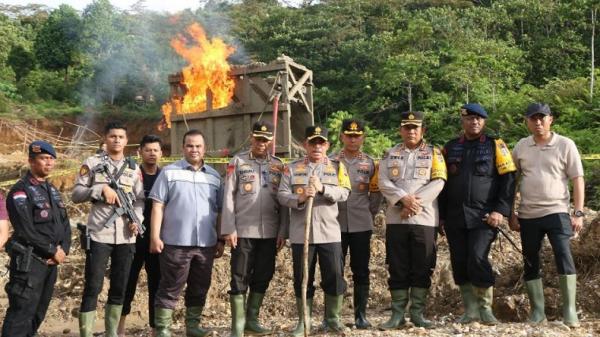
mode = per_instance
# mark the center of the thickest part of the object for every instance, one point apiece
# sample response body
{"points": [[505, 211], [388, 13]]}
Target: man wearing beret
{"points": [[546, 162], [41, 241], [252, 222], [356, 214], [478, 195], [112, 236], [411, 176], [325, 180]]}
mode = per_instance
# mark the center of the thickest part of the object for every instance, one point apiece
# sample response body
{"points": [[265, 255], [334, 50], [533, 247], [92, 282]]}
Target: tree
{"points": [[21, 61], [57, 43]]}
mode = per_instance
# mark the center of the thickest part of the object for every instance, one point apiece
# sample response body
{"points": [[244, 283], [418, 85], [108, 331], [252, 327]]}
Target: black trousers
{"points": [[330, 264], [29, 295], [150, 262], [252, 264], [359, 244], [411, 255], [96, 261], [558, 228], [469, 250]]}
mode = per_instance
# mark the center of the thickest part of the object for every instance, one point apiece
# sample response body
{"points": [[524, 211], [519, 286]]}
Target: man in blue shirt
{"points": [[186, 198]]}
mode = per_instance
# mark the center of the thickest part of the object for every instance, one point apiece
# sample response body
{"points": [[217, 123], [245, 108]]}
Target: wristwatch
{"points": [[579, 214]]}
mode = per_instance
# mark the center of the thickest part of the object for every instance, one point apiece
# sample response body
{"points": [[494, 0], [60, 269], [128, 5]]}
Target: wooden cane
{"points": [[307, 225]]}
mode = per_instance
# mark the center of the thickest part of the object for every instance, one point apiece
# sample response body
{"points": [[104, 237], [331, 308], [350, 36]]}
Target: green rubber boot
{"points": [[333, 308], [237, 315], [361, 297], [535, 292], [485, 298], [252, 311], [86, 323], [568, 288], [418, 299], [112, 315], [470, 303], [299, 330], [399, 302], [163, 318], [193, 316]]}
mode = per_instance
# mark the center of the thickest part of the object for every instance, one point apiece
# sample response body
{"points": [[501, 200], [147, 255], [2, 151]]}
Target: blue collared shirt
{"points": [[192, 201]]}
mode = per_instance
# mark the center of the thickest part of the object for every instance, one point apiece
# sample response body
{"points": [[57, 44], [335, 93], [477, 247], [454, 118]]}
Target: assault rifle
{"points": [[126, 199]]}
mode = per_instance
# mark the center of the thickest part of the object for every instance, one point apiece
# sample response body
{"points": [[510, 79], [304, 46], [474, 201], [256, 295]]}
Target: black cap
{"points": [[263, 129], [473, 109], [411, 118], [315, 131], [39, 147], [353, 127], [538, 108]]}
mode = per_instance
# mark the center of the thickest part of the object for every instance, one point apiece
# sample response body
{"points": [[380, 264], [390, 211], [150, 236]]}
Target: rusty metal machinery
{"points": [[282, 88]]}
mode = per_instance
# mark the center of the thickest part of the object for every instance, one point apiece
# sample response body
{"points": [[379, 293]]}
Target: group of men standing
{"points": [[464, 191]]}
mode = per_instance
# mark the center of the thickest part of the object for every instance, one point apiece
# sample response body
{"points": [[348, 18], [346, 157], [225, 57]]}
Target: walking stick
{"points": [[307, 225]]}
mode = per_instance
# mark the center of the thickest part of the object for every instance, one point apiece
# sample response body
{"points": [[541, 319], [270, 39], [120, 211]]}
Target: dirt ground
{"points": [[511, 304]]}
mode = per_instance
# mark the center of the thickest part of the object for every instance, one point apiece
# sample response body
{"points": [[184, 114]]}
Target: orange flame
{"points": [[208, 71]]}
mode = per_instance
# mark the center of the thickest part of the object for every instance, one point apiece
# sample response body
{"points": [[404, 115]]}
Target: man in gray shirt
{"points": [[356, 214], [411, 176], [546, 161], [328, 183], [184, 229], [252, 222], [114, 240]]}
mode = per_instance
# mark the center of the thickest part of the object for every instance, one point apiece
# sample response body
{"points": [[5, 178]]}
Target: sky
{"points": [[156, 5]]}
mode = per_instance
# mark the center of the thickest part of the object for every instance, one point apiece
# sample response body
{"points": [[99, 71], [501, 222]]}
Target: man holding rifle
{"points": [[40, 242], [113, 184], [325, 180]]}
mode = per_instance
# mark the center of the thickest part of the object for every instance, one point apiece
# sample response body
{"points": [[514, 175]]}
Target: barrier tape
{"points": [[208, 160], [594, 156]]}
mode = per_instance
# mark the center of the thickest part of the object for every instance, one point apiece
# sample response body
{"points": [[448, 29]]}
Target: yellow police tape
{"points": [[215, 160]]}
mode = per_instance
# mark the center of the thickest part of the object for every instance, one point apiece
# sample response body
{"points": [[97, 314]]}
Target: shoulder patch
{"points": [[84, 170], [19, 196]]}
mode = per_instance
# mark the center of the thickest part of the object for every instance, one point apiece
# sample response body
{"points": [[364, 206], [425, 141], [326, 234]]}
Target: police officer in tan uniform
{"points": [[411, 176], [114, 240], [328, 183], [356, 214], [251, 222]]}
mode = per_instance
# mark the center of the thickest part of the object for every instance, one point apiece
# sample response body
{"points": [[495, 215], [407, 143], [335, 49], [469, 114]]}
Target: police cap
{"points": [[473, 109], [411, 118], [263, 129], [353, 126], [315, 131], [39, 147]]}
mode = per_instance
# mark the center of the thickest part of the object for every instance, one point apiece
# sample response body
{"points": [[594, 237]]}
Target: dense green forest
{"points": [[371, 58]]}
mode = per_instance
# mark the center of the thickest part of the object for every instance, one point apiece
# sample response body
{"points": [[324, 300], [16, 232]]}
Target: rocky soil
{"points": [[511, 304]]}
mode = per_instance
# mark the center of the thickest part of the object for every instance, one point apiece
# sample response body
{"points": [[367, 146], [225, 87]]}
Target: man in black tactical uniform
{"points": [[476, 198], [41, 241]]}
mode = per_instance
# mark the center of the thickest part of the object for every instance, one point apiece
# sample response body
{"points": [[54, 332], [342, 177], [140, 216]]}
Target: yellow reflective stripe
{"points": [[438, 165], [504, 161], [343, 178], [374, 183]]}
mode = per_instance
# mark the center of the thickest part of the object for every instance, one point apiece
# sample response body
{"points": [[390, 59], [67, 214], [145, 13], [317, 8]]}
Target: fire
{"points": [[208, 71]]}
